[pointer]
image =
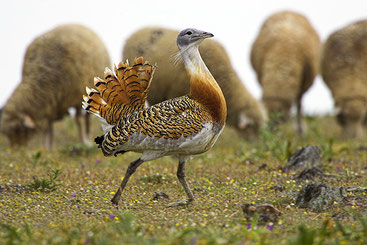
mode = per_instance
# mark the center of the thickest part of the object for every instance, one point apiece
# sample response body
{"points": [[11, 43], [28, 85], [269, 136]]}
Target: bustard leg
{"points": [[181, 175], [130, 170]]}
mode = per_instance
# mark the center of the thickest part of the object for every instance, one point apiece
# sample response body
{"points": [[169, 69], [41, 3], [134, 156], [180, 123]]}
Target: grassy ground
{"points": [[63, 196]]}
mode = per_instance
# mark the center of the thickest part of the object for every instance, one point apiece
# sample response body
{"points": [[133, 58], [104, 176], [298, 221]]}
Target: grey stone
{"points": [[318, 197], [311, 173], [304, 158]]}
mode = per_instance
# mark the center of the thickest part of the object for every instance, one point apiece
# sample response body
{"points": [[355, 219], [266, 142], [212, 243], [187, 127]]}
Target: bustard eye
{"points": [[188, 32]]}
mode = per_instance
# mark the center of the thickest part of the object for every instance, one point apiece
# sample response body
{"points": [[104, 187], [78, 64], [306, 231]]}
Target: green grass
{"points": [[45, 184], [63, 196]]}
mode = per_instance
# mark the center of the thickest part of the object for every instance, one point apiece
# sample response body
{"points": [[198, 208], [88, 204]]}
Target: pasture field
{"points": [[63, 196]]}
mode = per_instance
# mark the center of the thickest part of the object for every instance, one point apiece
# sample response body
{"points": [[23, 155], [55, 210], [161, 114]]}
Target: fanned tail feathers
{"points": [[120, 93]]}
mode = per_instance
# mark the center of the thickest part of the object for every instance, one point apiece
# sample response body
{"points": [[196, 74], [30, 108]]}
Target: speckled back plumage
{"points": [[170, 120]]}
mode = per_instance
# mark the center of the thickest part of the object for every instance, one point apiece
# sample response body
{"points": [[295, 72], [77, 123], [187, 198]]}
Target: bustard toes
{"points": [[130, 170]]}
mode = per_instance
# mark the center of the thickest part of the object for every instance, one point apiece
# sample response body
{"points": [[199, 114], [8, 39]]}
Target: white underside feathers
{"points": [[153, 148]]}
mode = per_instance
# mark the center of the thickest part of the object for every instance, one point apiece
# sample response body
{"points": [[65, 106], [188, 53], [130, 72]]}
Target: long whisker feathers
{"points": [[176, 58]]}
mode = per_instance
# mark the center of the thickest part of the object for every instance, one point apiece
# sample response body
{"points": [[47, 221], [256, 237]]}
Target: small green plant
{"points": [[36, 157], [327, 149], [275, 143], [46, 184]]}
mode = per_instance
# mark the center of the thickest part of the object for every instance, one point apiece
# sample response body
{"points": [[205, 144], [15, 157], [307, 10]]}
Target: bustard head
{"points": [[191, 37]]}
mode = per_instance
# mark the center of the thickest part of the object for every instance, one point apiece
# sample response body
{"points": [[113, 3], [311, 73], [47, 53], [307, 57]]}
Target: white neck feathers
{"points": [[193, 61]]}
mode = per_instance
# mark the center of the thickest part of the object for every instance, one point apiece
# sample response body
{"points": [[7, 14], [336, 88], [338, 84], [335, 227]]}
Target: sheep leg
{"points": [[181, 175], [81, 131], [87, 125], [299, 115], [130, 170], [353, 129], [47, 137]]}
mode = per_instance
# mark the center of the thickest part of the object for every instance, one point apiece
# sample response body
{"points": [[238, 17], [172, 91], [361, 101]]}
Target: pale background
{"points": [[234, 23]]}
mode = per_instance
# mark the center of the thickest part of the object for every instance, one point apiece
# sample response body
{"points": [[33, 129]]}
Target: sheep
{"points": [[344, 70], [158, 45], [58, 65], [285, 57]]}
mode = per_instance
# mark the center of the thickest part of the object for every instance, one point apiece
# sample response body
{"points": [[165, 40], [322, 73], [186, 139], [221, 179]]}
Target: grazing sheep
{"points": [[158, 45], [344, 70], [57, 67], [285, 57]]}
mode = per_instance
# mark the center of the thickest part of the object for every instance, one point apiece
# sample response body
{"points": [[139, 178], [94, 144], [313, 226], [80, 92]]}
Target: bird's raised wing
{"points": [[120, 93]]}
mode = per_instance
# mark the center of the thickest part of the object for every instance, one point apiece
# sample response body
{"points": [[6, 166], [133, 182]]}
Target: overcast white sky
{"points": [[234, 23]]}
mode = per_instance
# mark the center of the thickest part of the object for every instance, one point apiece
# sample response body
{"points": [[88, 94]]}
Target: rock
{"points": [[311, 173], [304, 158], [318, 197], [267, 212], [160, 195]]}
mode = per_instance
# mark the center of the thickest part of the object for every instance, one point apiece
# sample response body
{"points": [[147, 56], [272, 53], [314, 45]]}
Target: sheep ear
{"points": [[28, 122], [243, 121]]}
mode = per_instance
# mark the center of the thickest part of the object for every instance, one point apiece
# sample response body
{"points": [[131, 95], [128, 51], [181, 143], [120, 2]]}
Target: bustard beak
{"points": [[206, 35]]}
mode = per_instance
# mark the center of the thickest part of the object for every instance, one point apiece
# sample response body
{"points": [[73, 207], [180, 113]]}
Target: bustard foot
{"points": [[115, 200], [183, 202]]}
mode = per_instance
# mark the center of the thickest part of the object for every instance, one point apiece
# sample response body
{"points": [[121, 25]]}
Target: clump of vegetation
{"points": [[45, 184], [274, 142]]}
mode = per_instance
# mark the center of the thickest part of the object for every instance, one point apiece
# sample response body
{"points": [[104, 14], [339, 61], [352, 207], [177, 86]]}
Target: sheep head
{"points": [[247, 126], [351, 117], [18, 127], [278, 109]]}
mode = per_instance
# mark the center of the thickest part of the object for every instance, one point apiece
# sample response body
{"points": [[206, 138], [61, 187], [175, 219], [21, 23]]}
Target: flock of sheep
{"points": [[286, 55]]}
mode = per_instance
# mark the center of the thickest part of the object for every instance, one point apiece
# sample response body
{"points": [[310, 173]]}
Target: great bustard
{"points": [[183, 126]]}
